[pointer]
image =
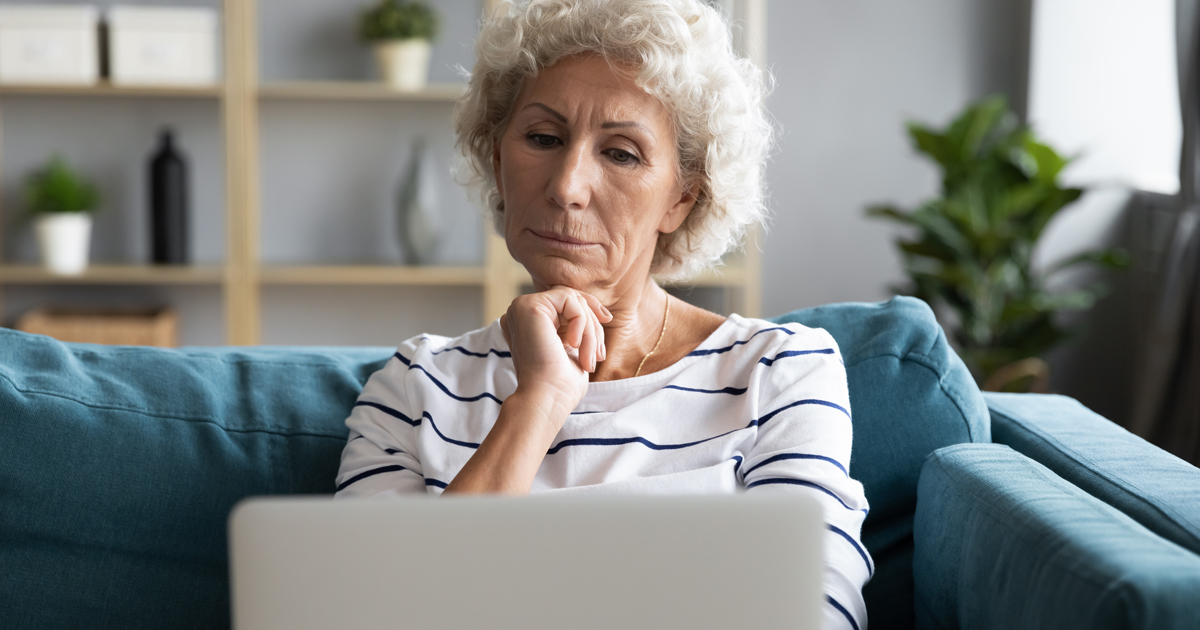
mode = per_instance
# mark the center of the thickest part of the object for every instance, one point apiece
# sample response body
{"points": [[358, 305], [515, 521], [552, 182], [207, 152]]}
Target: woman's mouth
{"points": [[560, 241]]}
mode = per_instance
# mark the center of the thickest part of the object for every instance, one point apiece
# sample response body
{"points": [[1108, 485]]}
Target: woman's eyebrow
{"points": [[607, 125], [557, 115], [627, 123]]}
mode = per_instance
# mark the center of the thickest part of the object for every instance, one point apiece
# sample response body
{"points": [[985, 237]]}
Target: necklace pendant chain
{"points": [[661, 334]]}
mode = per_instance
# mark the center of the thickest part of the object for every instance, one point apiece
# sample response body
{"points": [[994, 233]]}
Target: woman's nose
{"points": [[570, 185]]}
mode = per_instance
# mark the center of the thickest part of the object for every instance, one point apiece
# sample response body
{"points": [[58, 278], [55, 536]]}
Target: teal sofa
{"points": [[119, 465]]}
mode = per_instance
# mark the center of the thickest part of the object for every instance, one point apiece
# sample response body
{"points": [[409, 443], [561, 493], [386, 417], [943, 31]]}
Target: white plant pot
{"points": [[404, 63], [64, 239]]}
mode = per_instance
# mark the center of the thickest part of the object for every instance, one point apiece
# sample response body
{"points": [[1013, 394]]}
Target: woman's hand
{"points": [[556, 339]]}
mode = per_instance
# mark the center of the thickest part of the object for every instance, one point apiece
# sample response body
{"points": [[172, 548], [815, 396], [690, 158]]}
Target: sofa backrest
{"points": [[910, 395], [119, 465]]}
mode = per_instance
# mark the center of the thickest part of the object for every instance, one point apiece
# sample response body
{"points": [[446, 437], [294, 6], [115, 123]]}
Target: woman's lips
{"points": [[561, 241]]}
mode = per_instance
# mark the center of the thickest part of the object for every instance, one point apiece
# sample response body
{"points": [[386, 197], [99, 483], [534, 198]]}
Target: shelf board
{"points": [[372, 274], [107, 89], [730, 275], [357, 91], [116, 274]]}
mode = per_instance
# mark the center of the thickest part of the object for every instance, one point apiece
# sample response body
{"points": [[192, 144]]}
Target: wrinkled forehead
{"points": [[590, 89]]}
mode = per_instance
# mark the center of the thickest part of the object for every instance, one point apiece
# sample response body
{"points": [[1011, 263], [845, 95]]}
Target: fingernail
{"points": [[606, 311]]}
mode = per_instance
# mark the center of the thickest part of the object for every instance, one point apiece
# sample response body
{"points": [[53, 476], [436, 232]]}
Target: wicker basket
{"points": [[126, 328]]}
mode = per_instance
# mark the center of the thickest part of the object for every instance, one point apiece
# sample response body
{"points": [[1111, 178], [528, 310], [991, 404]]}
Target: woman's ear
{"points": [[680, 209], [496, 166]]}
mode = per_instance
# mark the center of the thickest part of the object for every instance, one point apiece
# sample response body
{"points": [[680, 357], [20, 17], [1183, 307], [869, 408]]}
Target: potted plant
{"points": [[61, 203], [401, 33], [972, 246]]}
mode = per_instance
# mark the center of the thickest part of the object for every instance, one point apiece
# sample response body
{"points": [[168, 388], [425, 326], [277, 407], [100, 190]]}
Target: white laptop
{"points": [[737, 561]]}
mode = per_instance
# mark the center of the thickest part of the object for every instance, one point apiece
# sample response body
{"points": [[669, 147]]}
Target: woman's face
{"points": [[587, 168]]}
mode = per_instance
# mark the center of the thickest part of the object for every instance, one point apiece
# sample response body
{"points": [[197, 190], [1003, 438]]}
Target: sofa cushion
{"points": [[119, 465], [1003, 542], [1154, 487], [910, 395]]}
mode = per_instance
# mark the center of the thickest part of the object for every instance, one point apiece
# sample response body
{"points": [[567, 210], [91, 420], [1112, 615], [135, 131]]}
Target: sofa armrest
{"points": [[1152, 486], [1002, 542]]}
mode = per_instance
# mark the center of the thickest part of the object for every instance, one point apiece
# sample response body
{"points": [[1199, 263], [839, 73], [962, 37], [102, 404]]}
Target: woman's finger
{"points": [[587, 344], [575, 312], [602, 350], [602, 313]]}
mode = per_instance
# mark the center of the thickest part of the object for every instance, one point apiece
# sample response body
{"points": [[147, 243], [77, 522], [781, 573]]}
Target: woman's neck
{"points": [[635, 329]]}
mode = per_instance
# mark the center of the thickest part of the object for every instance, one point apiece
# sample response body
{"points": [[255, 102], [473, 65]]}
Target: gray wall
{"points": [[849, 74]]}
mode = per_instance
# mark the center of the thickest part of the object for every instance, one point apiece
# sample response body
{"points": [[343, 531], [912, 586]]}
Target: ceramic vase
{"points": [[64, 238], [418, 207], [404, 63]]}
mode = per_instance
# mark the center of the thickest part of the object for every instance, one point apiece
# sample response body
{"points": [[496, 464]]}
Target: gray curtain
{"points": [[1167, 391]]}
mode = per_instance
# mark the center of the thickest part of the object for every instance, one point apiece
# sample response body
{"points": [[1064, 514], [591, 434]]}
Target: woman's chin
{"points": [[548, 271]]}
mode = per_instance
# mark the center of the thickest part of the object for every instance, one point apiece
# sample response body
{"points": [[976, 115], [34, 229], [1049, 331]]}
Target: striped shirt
{"points": [[758, 407]]}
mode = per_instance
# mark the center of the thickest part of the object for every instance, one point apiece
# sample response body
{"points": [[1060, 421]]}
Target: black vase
{"points": [[168, 204]]}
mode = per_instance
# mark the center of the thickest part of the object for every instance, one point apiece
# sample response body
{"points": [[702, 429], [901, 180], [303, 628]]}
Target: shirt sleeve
{"points": [[803, 446], [380, 457]]}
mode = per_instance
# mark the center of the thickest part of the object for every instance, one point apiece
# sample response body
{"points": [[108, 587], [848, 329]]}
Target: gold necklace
{"points": [[661, 333]]}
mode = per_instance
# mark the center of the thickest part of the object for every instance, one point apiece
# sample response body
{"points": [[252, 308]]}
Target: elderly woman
{"points": [[616, 141]]}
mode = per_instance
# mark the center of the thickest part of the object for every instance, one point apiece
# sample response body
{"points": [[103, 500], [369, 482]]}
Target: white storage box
{"points": [[162, 45], [48, 44]]}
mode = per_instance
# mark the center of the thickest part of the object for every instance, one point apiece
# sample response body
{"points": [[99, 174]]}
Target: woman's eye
{"points": [[622, 157], [543, 140]]}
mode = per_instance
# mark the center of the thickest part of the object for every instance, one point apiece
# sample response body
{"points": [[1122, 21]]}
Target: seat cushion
{"points": [[1149, 484], [118, 468], [1002, 542], [910, 395]]}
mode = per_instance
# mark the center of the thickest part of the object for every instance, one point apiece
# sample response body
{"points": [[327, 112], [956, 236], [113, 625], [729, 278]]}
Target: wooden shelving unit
{"points": [[115, 274], [397, 275], [242, 276], [357, 91], [106, 89]]}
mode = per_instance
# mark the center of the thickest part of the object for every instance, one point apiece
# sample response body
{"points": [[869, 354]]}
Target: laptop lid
{"points": [[537, 562]]}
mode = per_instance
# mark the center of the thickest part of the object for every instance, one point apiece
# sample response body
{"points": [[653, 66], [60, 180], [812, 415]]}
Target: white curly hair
{"points": [[682, 54]]}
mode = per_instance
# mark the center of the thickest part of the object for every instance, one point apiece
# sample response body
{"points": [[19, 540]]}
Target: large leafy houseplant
{"points": [[972, 246]]}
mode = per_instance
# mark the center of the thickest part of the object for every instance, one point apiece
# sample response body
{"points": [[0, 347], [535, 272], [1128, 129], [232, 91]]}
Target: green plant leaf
{"points": [[56, 188], [1113, 258]]}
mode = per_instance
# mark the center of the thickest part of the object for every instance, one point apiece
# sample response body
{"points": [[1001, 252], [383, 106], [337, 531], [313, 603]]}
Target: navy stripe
{"points": [[394, 451], [777, 458], [842, 609], [737, 463], [424, 414], [793, 353], [736, 391], [388, 410], [800, 482], [807, 401], [584, 413], [435, 482], [354, 438], [402, 359], [857, 547], [702, 353], [452, 394], [483, 355], [370, 473], [635, 440]]}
